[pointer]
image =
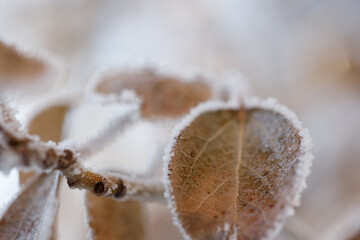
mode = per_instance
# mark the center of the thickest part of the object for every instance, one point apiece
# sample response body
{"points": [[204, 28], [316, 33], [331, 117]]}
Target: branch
{"points": [[109, 133], [29, 151]]}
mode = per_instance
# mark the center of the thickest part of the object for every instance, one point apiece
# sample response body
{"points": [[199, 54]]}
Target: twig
{"points": [[109, 133], [29, 151]]}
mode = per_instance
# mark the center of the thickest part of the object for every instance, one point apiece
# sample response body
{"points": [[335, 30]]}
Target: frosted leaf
{"points": [[48, 124], [32, 214], [27, 68], [161, 95], [109, 219], [14, 65], [25, 176], [236, 172]]}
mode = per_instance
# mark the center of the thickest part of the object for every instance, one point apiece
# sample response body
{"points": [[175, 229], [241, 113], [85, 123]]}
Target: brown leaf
{"points": [[48, 124], [236, 173], [32, 214], [17, 66], [25, 176], [112, 220], [356, 236], [162, 96]]}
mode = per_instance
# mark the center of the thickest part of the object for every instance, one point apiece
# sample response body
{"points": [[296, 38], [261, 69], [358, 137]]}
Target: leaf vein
{"points": [[212, 138]]}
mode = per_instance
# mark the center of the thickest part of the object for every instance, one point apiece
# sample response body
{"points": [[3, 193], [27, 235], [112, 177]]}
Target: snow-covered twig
{"points": [[29, 151], [109, 133]]}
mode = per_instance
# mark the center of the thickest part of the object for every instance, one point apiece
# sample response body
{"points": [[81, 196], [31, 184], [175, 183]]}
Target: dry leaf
{"points": [[28, 71], [17, 66], [25, 176], [48, 124], [162, 96], [112, 220], [236, 173], [32, 214], [355, 237]]}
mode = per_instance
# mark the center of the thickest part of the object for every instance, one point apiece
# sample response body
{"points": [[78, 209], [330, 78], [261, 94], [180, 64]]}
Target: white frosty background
{"points": [[305, 53]]}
